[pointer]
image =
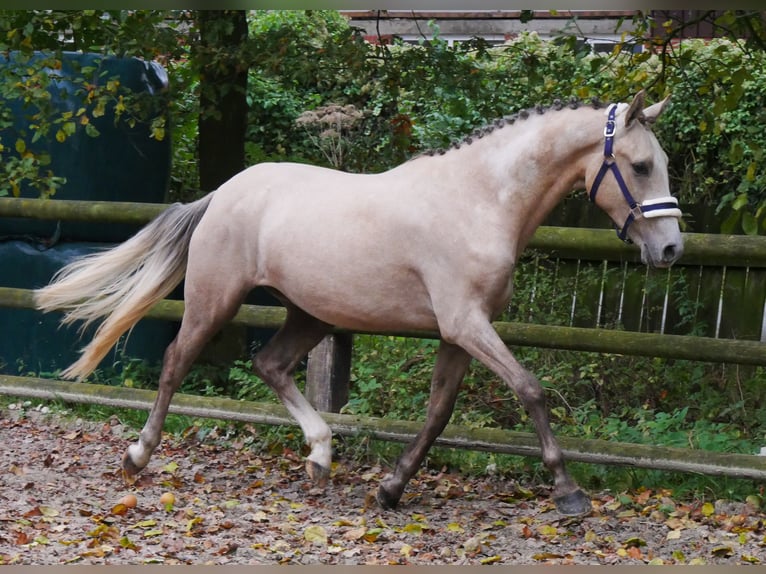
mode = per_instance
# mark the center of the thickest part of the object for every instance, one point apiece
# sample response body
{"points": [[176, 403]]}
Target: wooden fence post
{"points": [[328, 373]]}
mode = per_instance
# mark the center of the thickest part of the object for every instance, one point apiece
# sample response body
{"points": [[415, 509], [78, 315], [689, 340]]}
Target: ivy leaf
{"points": [[749, 223]]}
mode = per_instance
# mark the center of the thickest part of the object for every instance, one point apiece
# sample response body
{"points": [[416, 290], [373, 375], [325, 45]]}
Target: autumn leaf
{"points": [[708, 509], [413, 528], [722, 551], [127, 544], [372, 534], [547, 530], [674, 523], [21, 538], [355, 533], [316, 535], [546, 556], [635, 542], [119, 509]]}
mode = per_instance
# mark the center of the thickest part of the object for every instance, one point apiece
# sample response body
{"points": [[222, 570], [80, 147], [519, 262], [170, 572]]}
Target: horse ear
{"points": [[636, 109], [653, 112]]}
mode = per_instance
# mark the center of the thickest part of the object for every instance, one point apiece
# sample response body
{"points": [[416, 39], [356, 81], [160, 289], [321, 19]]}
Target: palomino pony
{"points": [[430, 244]]}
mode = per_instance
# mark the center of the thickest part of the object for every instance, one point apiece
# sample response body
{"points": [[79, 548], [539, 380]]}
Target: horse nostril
{"points": [[669, 253]]}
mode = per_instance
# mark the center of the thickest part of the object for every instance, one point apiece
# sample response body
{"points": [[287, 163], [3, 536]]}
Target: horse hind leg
{"points": [[451, 365], [203, 316], [275, 364]]}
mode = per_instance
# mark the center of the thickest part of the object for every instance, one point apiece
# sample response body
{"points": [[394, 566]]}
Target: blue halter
{"points": [[660, 207]]}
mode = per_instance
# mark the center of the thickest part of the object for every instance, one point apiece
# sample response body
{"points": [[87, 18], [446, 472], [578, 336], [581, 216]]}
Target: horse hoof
{"points": [[317, 473], [385, 500], [575, 503], [129, 467]]}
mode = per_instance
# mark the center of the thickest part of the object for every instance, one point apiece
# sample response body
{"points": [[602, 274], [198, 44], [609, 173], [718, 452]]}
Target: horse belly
{"points": [[371, 298]]}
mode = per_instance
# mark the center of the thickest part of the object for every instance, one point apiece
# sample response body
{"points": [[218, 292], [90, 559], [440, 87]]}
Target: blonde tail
{"points": [[121, 284]]}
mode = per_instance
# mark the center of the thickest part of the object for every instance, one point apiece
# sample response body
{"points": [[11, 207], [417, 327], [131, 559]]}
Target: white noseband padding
{"points": [[660, 212]]}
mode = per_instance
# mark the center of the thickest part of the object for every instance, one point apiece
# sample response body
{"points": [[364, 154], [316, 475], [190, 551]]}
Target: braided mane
{"points": [[557, 104]]}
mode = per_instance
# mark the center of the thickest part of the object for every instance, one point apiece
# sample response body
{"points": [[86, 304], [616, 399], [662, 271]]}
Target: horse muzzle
{"points": [[662, 254]]}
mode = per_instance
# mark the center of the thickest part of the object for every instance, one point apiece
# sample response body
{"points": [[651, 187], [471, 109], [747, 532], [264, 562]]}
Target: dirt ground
{"points": [[61, 487]]}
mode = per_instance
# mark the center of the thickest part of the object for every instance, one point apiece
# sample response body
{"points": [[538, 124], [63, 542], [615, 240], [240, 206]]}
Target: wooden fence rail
{"points": [[523, 334], [454, 436], [593, 244]]}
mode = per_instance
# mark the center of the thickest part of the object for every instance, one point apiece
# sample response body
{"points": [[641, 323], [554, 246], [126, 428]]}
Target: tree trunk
{"points": [[223, 103]]}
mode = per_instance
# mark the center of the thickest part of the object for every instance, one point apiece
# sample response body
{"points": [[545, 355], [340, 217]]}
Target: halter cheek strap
{"points": [[659, 207]]}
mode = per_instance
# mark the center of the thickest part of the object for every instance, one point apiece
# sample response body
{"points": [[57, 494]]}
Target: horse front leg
{"points": [[451, 364], [477, 336], [275, 364]]}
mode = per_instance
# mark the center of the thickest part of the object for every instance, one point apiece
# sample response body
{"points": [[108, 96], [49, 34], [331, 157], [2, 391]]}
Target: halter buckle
{"points": [[609, 128]]}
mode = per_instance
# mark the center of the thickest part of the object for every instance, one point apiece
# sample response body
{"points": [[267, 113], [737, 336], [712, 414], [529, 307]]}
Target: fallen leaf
{"points": [[673, 535], [355, 533], [316, 535], [229, 548], [413, 528], [548, 530], [119, 509], [546, 556], [145, 523], [372, 534], [22, 538], [722, 551], [674, 523]]}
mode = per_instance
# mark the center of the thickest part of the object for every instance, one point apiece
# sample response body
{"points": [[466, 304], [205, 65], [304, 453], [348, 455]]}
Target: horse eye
{"points": [[641, 168]]}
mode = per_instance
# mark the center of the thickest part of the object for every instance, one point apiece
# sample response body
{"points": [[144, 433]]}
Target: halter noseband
{"points": [[660, 207]]}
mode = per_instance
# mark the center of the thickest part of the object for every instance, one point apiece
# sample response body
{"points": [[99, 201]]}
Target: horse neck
{"points": [[545, 160]]}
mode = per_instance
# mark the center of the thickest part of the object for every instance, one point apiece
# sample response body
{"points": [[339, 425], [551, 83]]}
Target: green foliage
{"points": [[59, 98], [390, 377], [419, 97]]}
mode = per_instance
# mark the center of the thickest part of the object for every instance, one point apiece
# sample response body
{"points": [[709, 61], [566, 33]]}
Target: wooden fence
{"points": [[328, 364]]}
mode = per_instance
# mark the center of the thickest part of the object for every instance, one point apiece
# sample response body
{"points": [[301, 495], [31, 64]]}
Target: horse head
{"points": [[629, 181]]}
